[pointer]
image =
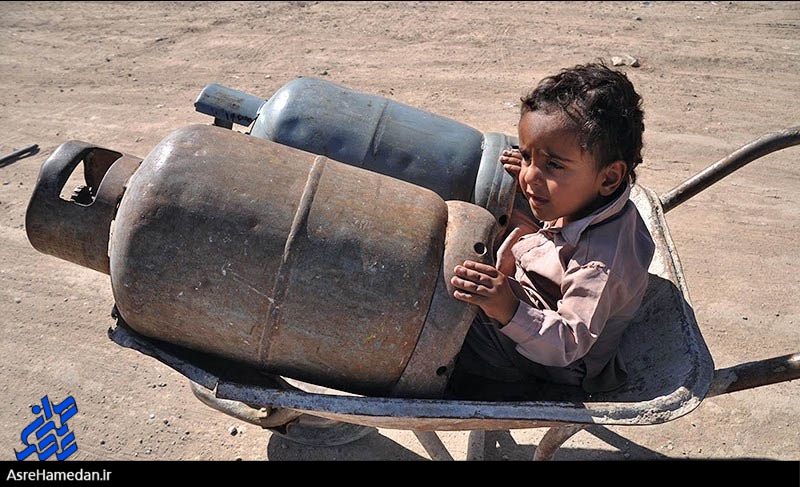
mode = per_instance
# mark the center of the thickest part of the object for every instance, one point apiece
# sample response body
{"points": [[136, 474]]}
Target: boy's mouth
{"points": [[537, 200]]}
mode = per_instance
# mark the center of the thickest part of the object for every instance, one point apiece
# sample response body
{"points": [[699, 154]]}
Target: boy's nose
{"points": [[533, 174]]}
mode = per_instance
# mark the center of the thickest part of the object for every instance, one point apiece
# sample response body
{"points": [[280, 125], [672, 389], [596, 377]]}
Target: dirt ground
{"points": [[123, 75]]}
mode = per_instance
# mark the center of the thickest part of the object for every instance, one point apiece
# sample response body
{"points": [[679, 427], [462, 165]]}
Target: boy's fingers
{"points": [[474, 276], [482, 268], [469, 286], [466, 297]]}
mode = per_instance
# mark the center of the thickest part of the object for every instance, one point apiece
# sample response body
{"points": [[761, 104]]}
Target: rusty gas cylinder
{"points": [[274, 257]]}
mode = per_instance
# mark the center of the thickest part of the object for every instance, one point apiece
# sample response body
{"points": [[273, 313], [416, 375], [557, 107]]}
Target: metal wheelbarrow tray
{"points": [[670, 368]]}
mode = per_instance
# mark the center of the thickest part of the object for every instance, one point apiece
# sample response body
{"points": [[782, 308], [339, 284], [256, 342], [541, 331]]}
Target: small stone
{"points": [[284, 446], [777, 314], [159, 39], [102, 442], [670, 447], [17, 300], [159, 106], [152, 416], [269, 76], [166, 421], [238, 459], [617, 61], [744, 318], [147, 450], [232, 430], [324, 72], [632, 61], [505, 457], [626, 455], [637, 18]]}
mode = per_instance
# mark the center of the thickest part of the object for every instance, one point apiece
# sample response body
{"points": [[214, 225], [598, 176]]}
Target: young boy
{"points": [[556, 303]]}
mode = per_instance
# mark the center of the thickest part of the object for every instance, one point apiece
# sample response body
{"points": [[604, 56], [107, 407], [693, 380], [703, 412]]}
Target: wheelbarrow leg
{"points": [[553, 439], [476, 445], [433, 445]]}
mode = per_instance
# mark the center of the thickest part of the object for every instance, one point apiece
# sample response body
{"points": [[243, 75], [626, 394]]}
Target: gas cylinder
{"points": [[372, 132], [277, 258]]}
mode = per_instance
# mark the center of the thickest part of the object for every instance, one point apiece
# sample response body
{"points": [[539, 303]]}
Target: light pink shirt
{"points": [[579, 286]]}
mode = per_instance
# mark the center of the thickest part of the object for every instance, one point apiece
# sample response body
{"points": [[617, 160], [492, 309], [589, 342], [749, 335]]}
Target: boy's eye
{"points": [[554, 164]]}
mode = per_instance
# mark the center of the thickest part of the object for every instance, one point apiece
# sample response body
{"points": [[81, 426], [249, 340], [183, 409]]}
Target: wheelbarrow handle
{"points": [[762, 372], [713, 173], [755, 374]]}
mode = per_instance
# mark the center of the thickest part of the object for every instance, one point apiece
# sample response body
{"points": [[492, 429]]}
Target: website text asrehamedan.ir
{"points": [[49, 475]]}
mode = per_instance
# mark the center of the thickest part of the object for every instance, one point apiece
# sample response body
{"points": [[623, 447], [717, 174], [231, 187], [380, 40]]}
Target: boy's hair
{"points": [[603, 105]]}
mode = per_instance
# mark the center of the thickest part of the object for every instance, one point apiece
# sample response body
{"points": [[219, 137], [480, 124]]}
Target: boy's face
{"points": [[558, 178]]}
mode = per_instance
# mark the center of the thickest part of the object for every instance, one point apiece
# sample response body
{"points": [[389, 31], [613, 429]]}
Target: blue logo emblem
{"points": [[51, 436]]}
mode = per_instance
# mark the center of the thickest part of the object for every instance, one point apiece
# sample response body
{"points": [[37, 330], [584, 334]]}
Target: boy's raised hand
{"points": [[505, 259], [512, 162], [485, 286]]}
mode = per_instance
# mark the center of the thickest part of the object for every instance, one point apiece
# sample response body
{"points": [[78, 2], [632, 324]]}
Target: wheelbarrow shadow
{"points": [[372, 447], [500, 445]]}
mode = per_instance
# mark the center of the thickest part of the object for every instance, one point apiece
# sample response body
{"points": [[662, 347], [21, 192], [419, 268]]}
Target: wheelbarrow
{"points": [[670, 368]]}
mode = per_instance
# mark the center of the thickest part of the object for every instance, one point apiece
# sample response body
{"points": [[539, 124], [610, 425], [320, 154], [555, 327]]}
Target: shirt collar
{"points": [[572, 231]]}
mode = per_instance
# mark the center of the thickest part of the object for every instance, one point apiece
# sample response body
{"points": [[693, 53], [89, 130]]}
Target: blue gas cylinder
{"points": [[450, 158]]}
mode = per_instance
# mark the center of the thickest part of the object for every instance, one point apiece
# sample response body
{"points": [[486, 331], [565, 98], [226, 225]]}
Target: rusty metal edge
{"points": [[431, 363]]}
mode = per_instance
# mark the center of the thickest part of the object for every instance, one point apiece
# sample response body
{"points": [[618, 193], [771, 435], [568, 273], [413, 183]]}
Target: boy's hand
{"points": [[512, 162], [506, 264], [485, 286]]}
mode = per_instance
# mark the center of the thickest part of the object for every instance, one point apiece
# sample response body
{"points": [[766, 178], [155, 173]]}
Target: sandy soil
{"points": [[713, 75]]}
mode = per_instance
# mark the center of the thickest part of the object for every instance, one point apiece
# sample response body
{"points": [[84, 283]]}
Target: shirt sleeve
{"points": [[559, 337]]}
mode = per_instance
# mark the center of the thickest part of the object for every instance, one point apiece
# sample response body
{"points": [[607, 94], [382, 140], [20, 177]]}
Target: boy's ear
{"points": [[613, 175]]}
